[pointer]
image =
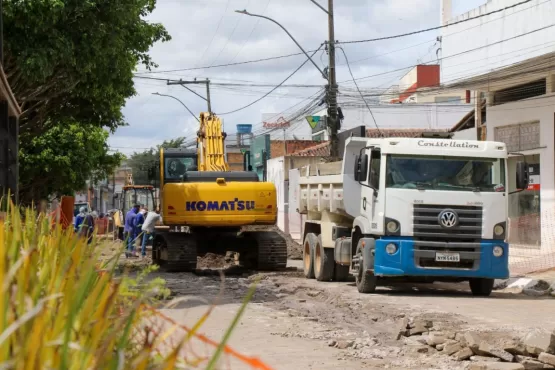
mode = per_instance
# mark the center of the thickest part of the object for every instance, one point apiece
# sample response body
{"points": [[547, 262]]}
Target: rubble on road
{"points": [[536, 350]]}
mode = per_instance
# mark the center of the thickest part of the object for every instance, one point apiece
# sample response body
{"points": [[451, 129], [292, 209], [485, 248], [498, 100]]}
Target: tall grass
{"points": [[60, 308]]}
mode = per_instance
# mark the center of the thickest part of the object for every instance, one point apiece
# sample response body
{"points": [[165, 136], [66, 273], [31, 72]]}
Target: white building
{"points": [[508, 60]]}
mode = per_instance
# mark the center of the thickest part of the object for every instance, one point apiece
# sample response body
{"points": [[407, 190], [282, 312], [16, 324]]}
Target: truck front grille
{"points": [[427, 224], [425, 254]]}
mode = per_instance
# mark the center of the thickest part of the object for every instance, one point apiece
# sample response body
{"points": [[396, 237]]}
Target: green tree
{"points": [[62, 159], [72, 61], [75, 58], [142, 162]]}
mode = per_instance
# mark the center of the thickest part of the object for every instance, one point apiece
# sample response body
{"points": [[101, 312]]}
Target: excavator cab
{"points": [[177, 163]]}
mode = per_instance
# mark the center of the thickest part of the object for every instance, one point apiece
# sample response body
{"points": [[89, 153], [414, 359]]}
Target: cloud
{"points": [[209, 32]]}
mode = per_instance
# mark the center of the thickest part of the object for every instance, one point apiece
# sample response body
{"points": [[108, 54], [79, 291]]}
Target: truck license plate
{"points": [[448, 257]]}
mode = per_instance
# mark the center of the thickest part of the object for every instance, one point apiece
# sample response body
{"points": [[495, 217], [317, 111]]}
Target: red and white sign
{"points": [[534, 182], [279, 123]]}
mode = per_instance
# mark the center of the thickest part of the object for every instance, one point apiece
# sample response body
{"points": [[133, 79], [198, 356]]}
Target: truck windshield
{"points": [[445, 173]]}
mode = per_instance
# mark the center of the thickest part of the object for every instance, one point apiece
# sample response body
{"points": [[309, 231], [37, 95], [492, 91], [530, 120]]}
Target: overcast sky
{"points": [[209, 32]]}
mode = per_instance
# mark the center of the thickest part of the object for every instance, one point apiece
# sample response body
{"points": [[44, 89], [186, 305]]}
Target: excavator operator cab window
{"points": [[176, 168]]}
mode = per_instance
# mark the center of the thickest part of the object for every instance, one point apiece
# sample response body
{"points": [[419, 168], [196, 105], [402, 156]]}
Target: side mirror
{"points": [[361, 167], [522, 176]]}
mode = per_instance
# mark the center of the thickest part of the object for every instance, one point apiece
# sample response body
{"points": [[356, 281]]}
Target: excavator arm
{"points": [[210, 144]]}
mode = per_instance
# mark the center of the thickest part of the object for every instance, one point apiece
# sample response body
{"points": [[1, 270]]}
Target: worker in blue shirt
{"points": [[79, 219], [129, 230], [139, 221]]}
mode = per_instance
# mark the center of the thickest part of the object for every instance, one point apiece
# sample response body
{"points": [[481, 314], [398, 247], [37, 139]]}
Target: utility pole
{"points": [[332, 87], [331, 90], [195, 82]]}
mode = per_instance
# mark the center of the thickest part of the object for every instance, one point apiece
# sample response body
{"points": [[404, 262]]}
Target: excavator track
{"points": [[270, 249], [175, 252]]}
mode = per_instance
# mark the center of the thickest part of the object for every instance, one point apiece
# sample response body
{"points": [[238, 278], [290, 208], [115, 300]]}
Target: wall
{"points": [[235, 161], [479, 33], [541, 109], [468, 134], [404, 116]]}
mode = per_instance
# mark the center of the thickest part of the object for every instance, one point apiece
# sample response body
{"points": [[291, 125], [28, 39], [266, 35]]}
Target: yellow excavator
{"points": [[208, 208]]}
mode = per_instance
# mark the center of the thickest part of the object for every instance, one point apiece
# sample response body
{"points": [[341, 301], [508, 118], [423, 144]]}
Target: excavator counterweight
{"points": [[205, 207]]}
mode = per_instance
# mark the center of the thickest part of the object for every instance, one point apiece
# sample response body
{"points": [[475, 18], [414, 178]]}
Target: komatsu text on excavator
{"points": [[205, 207]]}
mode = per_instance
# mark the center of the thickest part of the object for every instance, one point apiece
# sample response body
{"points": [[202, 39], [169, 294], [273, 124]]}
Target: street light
{"points": [[244, 12], [183, 104]]}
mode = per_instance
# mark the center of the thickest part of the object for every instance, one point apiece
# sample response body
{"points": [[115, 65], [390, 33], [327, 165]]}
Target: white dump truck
{"points": [[409, 209]]}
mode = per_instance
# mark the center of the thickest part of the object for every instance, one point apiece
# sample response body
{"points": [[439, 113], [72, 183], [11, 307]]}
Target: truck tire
{"points": [[309, 246], [341, 272], [481, 287], [324, 262], [366, 281]]}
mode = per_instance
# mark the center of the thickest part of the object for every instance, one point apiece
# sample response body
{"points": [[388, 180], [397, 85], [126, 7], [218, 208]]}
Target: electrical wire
{"points": [[460, 53], [215, 33], [437, 27], [362, 96], [275, 88], [251, 33], [231, 35]]}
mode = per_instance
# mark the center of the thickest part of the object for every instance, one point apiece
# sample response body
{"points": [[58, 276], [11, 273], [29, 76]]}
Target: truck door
{"points": [[370, 181]]}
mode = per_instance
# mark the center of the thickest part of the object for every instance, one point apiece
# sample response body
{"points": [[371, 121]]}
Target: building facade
{"points": [[512, 75]]}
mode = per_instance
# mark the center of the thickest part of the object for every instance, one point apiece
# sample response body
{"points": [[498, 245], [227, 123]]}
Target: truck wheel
{"points": [[481, 287], [341, 272], [309, 246], [324, 263], [366, 281]]}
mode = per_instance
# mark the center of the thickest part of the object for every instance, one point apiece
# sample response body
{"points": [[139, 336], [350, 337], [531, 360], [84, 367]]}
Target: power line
{"points": [[227, 64], [437, 27], [251, 33], [354, 80], [215, 33], [231, 35], [346, 42], [460, 53], [275, 88]]}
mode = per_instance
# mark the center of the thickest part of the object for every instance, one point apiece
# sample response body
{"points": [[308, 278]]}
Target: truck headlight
{"points": [[392, 227], [497, 251], [498, 230], [391, 248]]}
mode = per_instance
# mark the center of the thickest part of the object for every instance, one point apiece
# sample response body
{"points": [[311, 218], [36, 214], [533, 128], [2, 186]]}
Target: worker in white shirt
{"points": [[148, 228]]}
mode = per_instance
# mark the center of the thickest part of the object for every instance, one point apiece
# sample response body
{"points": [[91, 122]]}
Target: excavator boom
{"points": [[211, 144]]}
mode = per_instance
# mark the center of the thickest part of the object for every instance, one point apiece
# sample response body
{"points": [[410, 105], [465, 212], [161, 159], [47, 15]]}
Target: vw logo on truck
{"points": [[448, 218]]}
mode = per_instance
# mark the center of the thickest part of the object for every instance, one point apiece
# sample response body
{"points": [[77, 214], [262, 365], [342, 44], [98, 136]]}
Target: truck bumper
{"points": [[416, 258]]}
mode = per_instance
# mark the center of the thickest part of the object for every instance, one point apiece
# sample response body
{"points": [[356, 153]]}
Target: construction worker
{"points": [[129, 230], [79, 219], [87, 229], [148, 229], [138, 222]]}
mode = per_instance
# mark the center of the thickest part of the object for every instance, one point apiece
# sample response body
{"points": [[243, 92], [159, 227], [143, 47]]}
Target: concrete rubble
{"points": [[536, 350]]}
